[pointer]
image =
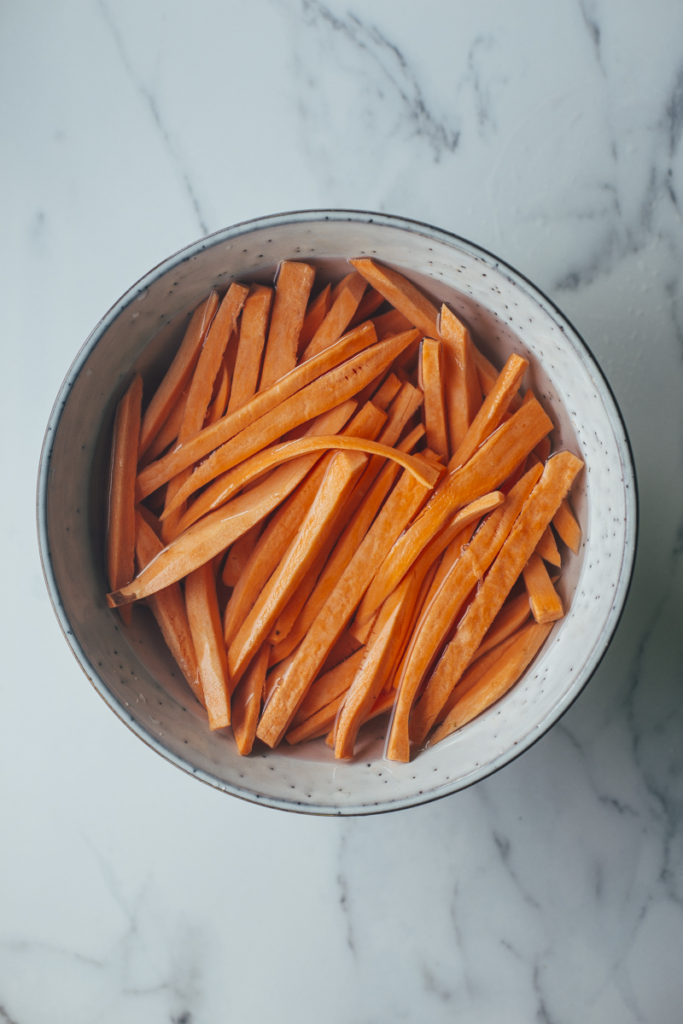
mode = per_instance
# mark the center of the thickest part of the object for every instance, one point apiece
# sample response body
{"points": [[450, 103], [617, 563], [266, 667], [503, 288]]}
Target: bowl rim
{"points": [[180, 256]]}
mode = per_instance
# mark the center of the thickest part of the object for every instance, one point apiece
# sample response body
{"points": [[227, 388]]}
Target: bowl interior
{"points": [[130, 666]]}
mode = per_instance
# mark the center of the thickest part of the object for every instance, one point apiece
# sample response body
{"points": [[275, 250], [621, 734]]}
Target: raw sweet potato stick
{"points": [[121, 509], [541, 505], [179, 372], [216, 434], [293, 287], [490, 465]]}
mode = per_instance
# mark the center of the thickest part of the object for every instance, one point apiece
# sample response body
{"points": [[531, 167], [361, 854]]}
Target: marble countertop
{"points": [[550, 134]]}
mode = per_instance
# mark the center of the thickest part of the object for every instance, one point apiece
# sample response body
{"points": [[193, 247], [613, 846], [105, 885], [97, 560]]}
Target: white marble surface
{"points": [[549, 133]]}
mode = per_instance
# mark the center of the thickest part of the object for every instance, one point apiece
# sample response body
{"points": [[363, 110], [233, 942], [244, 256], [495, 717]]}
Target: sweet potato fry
{"points": [[317, 310], [249, 470], [121, 508], [322, 394], [340, 477], [292, 289], [207, 637], [286, 521], [214, 533], [548, 550], [463, 391], [368, 305], [390, 323], [168, 608], [432, 384], [327, 687], [250, 345], [371, 491], [201, 388], [401, 505], [317, 724], [339, 316], [239, 554], [492, 410], [568, 529], [471, 513], [490, 465], [179, 372], [246, 702], [367, 683], [168, 431], [511, 616], [495, 683], [158, 473], [230, 483], [387, 391], [210, 360], [221, 395], [546, 603], [540, 507], [462, 574], [401, 293]]}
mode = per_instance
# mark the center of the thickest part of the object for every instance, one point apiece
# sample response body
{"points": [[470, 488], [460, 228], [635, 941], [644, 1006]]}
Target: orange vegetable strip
{"points": [[168, 608], [567, 527], [548, 550], [399, 508], [492, 410], [431, 382], [228, 484], [464, 568], [486, 371], [239, 554], [543, 449], [369, 679], [246, 702], [221, 395], [511, 616], [343, 382], [293, 287], [387, 391], [338, 317], [316, 312], [214, 533], [369, 304], [463, 391], [318, 723], [207, 636], [279, 532], [201, 388], [390, 323], [371, 491], [169, 431], [470, 513], [496, 682], [546, 603], [250, 345], [158, 473], [179, 372], [367, 423], [123, 465], [401, 293], [328, 686], [340, 477], [490, 465], [210, 359], [249, 470], [540, 507]]}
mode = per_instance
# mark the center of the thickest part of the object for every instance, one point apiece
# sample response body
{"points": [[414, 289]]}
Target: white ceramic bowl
{"points": [[131, 669]]}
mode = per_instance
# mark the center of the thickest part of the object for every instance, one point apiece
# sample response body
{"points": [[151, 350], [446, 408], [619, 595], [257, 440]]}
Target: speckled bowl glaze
{"points": [[130, 667]]}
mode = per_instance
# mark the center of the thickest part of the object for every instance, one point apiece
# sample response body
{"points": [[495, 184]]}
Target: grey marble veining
{"points": [[551, 134]]}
